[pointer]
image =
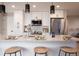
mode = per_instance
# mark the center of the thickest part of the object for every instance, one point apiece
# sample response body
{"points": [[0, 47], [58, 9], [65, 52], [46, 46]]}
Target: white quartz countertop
{"points": [[47, 38], [75, 39]]}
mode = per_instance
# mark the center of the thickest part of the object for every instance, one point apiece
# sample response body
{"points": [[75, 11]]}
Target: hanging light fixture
{"points": [[27, 7], [2, 8], [52, 9]]}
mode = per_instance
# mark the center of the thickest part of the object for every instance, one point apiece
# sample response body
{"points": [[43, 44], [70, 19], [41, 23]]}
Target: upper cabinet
{"points": [[58, 14], [43, 16]]}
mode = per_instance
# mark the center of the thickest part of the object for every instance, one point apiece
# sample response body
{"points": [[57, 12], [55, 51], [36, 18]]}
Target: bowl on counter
{"points": [[66, 37], [39, 37]]}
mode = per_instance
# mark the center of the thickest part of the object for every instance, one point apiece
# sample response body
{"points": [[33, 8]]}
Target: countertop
{"points": [[46, 38], [75, 39]]}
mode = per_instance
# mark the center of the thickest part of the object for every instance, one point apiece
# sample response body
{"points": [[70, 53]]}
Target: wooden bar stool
{"points": [[68, 50], [12, 50], [41, 50]]}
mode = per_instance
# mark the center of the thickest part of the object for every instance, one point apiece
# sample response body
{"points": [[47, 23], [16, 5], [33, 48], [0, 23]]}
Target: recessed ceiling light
{"points": [[13, 6], [34, 6], [57, 6]]}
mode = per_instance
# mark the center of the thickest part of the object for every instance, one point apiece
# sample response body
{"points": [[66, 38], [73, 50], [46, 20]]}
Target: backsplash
{"points": [[36, 29]]}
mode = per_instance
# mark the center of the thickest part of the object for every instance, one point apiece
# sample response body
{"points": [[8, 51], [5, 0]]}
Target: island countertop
{"points": [[47, 38], [75, 39]]}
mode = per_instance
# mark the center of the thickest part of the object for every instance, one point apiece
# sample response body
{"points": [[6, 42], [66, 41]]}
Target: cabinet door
{"points": [[58, 14], [45, 18], [36, 15], [18, 22]]}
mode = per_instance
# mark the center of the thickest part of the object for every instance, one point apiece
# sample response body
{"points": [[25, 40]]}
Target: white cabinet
{"points": [[18, 22], [37, 15], [15, 22], [3, 25], [58, 14], [44, 16]]}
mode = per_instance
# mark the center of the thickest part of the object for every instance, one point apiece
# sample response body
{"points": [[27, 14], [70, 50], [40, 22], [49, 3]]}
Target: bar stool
{"points": [[68, 50], [41, 50], [13, 50]]}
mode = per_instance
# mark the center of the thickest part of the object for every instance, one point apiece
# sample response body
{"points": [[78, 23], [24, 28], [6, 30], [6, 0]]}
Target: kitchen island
{"points": [[29, 43]]}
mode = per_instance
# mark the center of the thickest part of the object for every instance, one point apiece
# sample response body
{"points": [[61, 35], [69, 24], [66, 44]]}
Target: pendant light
{"points": [[2, 8], [27, 7], [52, 9]]}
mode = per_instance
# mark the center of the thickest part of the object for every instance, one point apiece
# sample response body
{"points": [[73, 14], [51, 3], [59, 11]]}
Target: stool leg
{"points": [[69, 54], [35, 53], [76, 53], [65, 53], [46, 54], [20, 53], [15, 53], [4, 54], [59, 52], [10, 54]]}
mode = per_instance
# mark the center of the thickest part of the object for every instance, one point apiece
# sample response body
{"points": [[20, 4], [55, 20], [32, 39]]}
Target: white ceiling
{"points": [[72, 8]]}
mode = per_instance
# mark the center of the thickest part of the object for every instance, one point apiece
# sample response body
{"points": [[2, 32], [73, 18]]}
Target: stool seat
{"points": [[40, 50], [68, 50], [12, 50]]}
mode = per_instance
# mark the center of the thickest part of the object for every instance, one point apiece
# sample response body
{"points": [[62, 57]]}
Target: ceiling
{"points": [[72, 8]]}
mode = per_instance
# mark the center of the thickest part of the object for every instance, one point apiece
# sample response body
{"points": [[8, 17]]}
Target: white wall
{"points": [[73, 24]]}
